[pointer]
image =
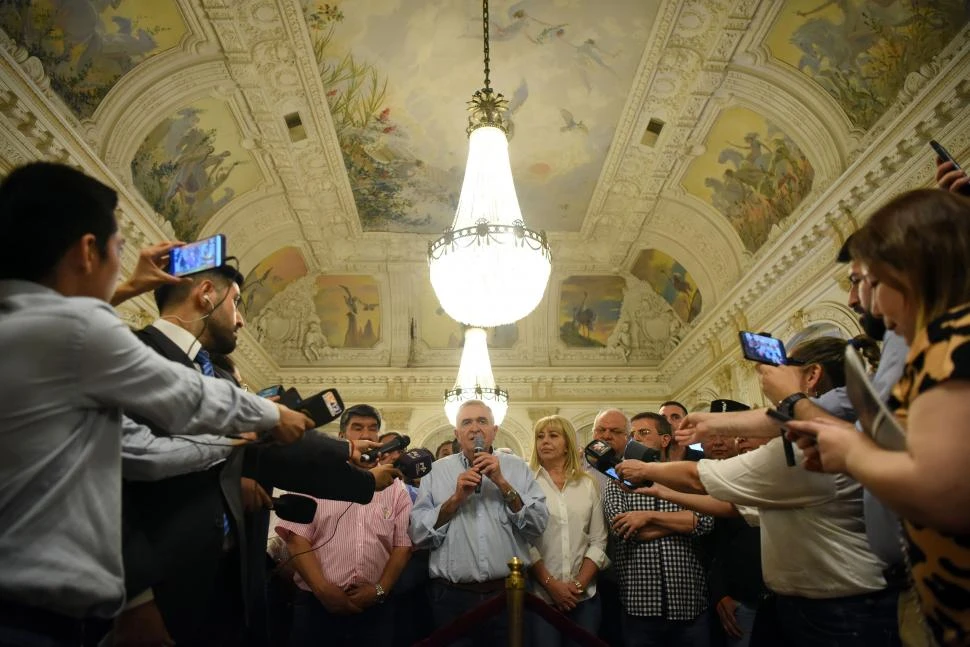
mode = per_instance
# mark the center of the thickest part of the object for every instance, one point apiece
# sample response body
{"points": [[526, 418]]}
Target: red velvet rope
{"points": [[469, 622]]}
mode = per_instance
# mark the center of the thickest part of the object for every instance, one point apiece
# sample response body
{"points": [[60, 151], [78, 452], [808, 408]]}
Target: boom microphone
{"points": [[479, 441], [392, 445], [295, 508], [415, 463]]}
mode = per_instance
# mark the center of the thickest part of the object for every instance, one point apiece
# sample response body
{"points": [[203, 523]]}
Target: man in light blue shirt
{"points": [[68, 366], [475, 512]]}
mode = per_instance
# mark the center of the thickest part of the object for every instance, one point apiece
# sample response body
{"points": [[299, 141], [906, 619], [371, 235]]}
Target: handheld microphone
{"points": [[601, 456], [390, 446], [640, 452], [479, 441], [295, 508], [415, 463]]}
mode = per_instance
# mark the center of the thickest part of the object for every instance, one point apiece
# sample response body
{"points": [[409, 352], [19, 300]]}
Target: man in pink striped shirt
{"points": [[349, 557]]}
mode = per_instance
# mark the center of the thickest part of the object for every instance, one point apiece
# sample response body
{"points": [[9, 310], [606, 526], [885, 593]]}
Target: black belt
{"points": [[41, 621]]}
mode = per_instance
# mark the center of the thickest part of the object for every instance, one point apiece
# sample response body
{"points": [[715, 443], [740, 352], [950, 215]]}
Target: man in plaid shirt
{"points": [[663, 587]]}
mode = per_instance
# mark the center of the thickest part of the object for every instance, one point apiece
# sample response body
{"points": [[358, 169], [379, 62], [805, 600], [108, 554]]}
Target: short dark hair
{"points": [[360, 410], [223, 275], [676, 404], [44, 209], [437, 452], [845, 252], [386, 434], [663, 426]]}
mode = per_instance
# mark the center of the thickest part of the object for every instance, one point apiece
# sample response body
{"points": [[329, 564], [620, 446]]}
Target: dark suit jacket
{"points": [[173, 528]]}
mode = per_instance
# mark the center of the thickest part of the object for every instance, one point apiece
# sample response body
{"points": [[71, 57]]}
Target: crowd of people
{"points": [[140, 476]]}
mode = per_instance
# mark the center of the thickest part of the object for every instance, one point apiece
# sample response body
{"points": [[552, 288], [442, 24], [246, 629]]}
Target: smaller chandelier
{"points": [[489, 269], [475, 380]]}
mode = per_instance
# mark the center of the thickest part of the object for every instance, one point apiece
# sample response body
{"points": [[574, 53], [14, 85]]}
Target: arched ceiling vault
{"points": [[666, 147]]}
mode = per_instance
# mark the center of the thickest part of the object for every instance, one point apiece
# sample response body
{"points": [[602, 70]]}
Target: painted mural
{"points": [[752, 172], [589, 308], [861, 52], [349, 310], [401, 121], [192, 164], [87, 45], [270, 277], [440, 331], [671, 281]]}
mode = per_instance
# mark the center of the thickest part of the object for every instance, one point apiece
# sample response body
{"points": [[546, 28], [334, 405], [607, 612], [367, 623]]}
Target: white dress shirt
{"points": [[576, 530]]}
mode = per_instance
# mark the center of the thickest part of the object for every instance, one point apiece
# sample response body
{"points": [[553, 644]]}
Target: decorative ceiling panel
{"points": [[398, 76], [87, 45]]}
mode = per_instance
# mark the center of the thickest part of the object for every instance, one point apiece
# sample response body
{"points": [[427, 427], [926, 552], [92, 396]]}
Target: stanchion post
{"points": [[515, 597]]}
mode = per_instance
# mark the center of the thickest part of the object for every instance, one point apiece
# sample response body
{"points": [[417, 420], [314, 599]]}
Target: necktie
{"points": [[205, 363]]}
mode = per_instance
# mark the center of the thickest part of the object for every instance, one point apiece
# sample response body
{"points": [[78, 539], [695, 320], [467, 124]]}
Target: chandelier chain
{"points": [[485, 32]]}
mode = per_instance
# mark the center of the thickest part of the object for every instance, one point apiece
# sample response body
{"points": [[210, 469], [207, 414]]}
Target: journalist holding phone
{"points": [[69, 367], [915, 253]]}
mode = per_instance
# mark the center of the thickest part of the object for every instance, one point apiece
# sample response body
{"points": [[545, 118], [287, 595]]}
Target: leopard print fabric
{"points": [[940, 561]]}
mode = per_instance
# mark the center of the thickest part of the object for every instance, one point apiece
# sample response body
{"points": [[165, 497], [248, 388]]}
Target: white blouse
{"points": [[576, 530]]}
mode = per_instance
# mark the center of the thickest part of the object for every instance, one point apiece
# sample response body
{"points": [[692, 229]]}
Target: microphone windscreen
{"points": [[295, 508], [640, 452], [600, 455], [415, 463], [479, 441]]}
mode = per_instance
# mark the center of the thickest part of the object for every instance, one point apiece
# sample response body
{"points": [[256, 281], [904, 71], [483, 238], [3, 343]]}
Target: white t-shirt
{"points": [[813, 538]]}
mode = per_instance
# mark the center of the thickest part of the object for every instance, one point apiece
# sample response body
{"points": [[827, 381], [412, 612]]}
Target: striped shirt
{"points": [[353, 542]]}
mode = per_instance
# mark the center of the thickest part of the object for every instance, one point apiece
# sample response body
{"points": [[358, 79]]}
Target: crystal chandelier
{"points": [[475, 381], [489, 269]]}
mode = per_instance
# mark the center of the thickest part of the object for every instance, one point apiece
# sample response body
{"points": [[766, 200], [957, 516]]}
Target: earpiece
{"points": [[206, 297]]}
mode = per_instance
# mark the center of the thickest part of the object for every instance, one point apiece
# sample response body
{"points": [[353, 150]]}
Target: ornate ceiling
{"points": [[672, 150]]}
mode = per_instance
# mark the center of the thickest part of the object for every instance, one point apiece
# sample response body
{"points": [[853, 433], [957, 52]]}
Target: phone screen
{"points": [[763, 348], [611, 472], [270, 391], [199, 256]]}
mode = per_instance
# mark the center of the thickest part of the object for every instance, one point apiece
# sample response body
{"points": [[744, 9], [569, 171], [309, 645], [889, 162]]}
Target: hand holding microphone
{"points": [[398, 443], [479, 441]]}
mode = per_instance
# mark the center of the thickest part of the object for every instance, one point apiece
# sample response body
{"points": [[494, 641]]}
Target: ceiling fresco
{"points": [[192, 164], [861, 52], [87, 45], [439, 331], [401, 119], [751, 172], [348, 198], [671, 281]]}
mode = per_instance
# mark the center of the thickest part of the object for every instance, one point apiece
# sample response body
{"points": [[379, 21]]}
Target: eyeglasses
{"points": [[640, 433]]}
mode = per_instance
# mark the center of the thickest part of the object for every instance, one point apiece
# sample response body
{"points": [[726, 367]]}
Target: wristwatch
{"points": [[510, 496], [787, 406], [381, 594]]}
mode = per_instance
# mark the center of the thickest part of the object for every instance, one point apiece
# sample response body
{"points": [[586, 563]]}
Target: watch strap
{"points": [[787, 406], [381, 594]]}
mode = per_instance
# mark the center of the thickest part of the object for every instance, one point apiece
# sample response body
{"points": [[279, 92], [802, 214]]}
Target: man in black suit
{"points": [[187, 543]]}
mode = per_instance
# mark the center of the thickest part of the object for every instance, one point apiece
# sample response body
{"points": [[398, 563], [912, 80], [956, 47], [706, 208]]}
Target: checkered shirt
{"points": [[659, 578]]}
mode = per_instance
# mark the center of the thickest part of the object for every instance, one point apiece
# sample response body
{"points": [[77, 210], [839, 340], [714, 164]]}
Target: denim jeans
{"points": [[852, 621], [586, 614], [448, 602], [640, 631], [745, 616], [313, 625]]}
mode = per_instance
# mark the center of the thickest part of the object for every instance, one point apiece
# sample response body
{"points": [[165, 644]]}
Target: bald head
{"points": [[612, 426]]}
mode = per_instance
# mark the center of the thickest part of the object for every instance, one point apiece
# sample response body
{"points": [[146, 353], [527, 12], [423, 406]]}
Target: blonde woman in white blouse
{"points": [[572, 549]]}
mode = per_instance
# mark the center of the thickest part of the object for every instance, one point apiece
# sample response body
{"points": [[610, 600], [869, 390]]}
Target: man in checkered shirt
{"points": [[663, 587]]}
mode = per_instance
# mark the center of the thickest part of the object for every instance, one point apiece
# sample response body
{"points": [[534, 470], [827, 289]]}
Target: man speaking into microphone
{"points": [[473, 535]]}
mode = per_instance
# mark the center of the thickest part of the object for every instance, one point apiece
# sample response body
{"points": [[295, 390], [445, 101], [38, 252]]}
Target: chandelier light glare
{"points": [[475, 381], [489, 269]]}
